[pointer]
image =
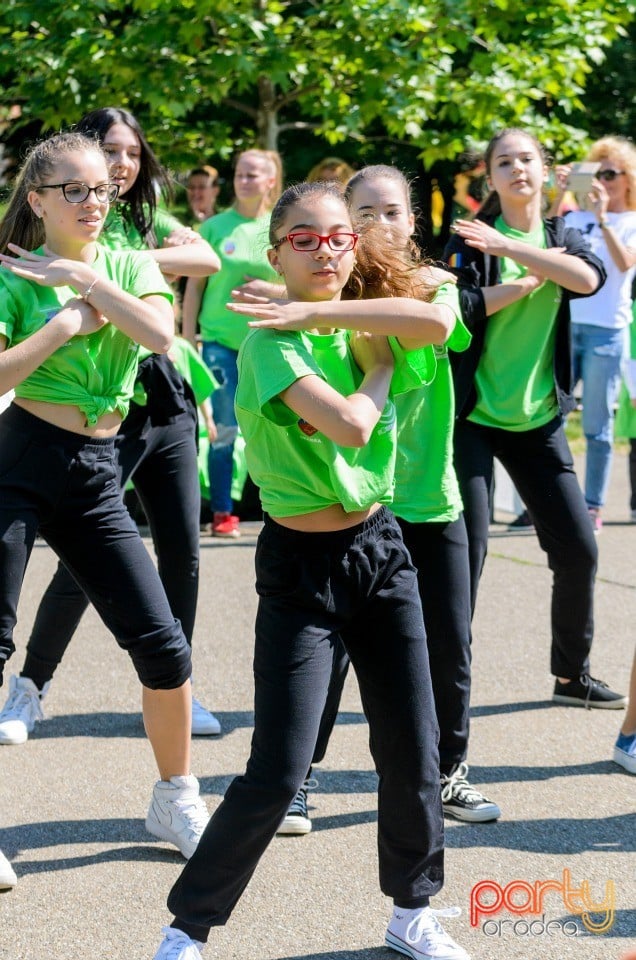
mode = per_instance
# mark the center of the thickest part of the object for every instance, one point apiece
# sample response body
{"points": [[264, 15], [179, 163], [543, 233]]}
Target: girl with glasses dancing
{"points": [[600, 324], [157, 442], [316, 410], [513, 387], [72, 314]]}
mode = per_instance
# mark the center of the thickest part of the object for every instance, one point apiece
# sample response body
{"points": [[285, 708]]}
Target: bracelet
{"points": [[90, 289], [603, 224]]}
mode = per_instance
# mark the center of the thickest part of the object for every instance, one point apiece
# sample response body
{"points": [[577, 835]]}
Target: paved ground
{"points": [[92, 883]]}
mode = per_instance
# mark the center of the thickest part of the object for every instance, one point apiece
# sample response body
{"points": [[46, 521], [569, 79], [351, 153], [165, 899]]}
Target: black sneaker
{"points": [[588, 692], [463, 801], [522, 524], [297, 820]]}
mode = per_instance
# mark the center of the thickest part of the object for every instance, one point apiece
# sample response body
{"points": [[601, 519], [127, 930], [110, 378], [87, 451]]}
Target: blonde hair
{"points": [[340, 169], [625, 152], [274, 160], [20, 225]]}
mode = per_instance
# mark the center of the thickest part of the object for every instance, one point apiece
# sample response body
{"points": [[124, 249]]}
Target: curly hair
{"points": [[625, 152]]}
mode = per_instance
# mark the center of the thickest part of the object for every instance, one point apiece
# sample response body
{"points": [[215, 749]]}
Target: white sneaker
{"points": [[8, 878], [204, 723], [177, 813], [418, 934], [22, 710], [177, 945]]}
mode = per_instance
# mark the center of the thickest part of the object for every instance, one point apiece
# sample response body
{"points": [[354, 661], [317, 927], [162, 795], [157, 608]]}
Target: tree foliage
{"points": [[206, 76]]}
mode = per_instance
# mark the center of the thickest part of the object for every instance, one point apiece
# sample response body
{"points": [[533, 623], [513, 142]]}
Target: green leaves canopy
{"points": [[207, 76]]}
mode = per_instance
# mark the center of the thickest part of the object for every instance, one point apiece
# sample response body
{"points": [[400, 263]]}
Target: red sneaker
{"points": [[225, 525]]}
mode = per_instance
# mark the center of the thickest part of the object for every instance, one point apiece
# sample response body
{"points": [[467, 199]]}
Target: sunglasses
{"points": [[609, 175]]}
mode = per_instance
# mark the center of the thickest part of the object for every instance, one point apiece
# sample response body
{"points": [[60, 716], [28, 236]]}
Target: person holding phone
{"points": [[600, 323]]}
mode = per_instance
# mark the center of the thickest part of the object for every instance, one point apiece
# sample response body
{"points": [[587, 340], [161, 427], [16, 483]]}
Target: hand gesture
{"points": [[80, 317], [181, 236], [255, 290], [479, 235], [278, 314], [599, 198], [370, 351], [48, 270]]}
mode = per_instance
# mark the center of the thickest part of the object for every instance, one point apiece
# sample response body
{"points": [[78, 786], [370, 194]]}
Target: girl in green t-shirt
{"points": [[514, 385], [317, 413], [72, 315], [157, 442]]}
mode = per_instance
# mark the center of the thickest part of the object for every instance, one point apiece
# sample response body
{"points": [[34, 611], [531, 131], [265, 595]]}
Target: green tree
{"points": [[374, 80], [207, 75]]}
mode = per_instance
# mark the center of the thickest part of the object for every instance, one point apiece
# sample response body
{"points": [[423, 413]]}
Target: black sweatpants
{"points": [[439, 551], [66, 486], [358, 584], [541, 467], [163, 461]]}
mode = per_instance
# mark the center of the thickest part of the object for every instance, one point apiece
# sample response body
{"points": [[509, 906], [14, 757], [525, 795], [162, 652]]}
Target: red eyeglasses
{"points": [[308, 242]]}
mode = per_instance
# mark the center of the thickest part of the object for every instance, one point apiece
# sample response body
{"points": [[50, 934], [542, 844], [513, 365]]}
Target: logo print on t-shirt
{"points": [[229, 247], [307, 428]]}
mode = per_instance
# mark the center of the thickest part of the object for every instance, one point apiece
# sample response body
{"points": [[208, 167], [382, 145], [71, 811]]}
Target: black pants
{"points": [[358, 584], [66, 486], [440, 553], [163, 462], [541, 467]]}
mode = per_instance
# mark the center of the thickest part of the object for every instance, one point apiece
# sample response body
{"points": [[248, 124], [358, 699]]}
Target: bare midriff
{"points": [[68, 417], [328, 520]]}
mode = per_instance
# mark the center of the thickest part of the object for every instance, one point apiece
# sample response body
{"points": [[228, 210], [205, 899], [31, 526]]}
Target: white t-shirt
{"points": [[612, 306]]}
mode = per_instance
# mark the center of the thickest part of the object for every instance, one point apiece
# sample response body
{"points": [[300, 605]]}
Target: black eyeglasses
{"points": [[76, 192], [609, 175], [308, 242]]}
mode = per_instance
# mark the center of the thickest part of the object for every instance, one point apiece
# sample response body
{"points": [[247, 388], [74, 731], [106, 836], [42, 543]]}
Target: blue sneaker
{"points": [[625, 752]]}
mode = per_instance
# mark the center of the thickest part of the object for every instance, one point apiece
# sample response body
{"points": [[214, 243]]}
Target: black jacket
{"points": [[477, 270]]}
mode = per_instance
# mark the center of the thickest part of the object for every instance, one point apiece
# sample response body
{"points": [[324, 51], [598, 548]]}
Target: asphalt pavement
{"points": [[92, 883]]}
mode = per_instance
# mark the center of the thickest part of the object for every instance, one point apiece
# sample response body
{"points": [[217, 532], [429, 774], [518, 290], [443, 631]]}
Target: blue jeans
{"points": [[222, 362], [597, 354]]}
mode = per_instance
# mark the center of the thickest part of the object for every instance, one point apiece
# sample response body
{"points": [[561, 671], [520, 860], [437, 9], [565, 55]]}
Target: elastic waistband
{"points": [[332, 539], [45, 432]]}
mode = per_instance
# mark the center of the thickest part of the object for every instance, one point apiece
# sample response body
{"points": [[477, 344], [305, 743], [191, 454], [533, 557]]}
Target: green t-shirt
{"points": [[121, 234], [241, 244], [298, 469], [426, 487], [96, 372], [515, 376]]}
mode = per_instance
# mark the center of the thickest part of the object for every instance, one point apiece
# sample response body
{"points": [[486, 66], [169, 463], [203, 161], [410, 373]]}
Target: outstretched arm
{"points": [[570, 272]]}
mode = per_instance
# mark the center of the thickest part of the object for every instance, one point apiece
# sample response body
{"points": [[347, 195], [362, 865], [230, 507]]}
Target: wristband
{"points": [[90, 289], [602, 222]]}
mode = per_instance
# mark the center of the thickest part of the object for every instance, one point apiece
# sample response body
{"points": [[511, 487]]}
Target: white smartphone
{"points": [[581, 176]]}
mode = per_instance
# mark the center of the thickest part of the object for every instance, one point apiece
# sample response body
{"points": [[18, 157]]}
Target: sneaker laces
{"points": [[425, 925], [22, 705], [299, 803], [178, 940], [194, 811], [456, 786], [589, 682]]}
